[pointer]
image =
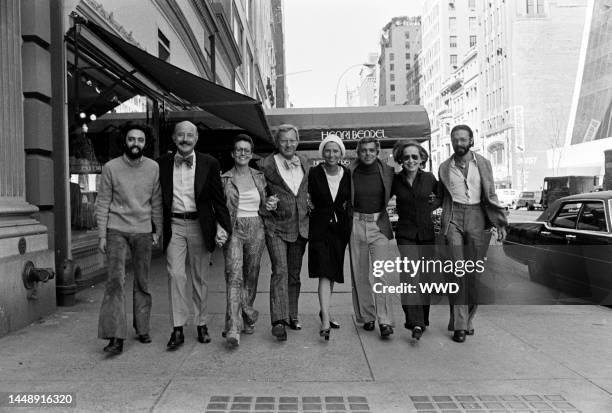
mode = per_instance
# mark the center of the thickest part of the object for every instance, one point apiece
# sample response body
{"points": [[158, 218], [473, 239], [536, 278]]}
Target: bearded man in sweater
{"points": [[129, 201]]}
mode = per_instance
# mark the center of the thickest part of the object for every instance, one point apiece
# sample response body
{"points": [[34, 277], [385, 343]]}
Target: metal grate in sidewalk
{"points": [[287, 404], [550, 403]]}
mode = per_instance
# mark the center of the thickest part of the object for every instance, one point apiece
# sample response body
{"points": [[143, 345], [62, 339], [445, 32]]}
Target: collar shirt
{"points": [[183, 194], [465, 190], [290, 171]]}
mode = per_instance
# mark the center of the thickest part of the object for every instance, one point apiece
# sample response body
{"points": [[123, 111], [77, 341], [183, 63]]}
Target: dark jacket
{"points": [[386, 174], [232, 196], [326, 210], [290, 218], [495, 214], [413, 205], [210, 201]]}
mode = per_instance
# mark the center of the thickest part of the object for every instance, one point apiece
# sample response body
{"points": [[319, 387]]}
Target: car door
{"points": [[565, 258], [595, 241]]}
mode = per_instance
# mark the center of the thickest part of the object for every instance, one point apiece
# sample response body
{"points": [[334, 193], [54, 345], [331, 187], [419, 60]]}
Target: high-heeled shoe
{"points": [[325, 333], [332, 323]]}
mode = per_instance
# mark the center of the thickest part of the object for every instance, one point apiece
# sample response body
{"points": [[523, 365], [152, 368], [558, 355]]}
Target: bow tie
{"points": [[293, 163], [187, 160]]}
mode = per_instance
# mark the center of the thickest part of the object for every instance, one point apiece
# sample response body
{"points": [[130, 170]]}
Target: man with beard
{"points": [[128, 202], [469, 208], [195, 219]]}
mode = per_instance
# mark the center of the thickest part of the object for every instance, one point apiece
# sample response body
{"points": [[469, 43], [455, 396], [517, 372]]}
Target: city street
{"points": [[522, 358]]}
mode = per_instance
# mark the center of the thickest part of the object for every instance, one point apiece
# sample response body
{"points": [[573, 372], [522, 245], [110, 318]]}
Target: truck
{"points": [[556, 187]]}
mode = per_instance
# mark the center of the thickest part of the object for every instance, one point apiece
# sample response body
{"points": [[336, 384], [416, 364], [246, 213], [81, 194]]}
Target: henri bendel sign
{"points": [[354, 134]]}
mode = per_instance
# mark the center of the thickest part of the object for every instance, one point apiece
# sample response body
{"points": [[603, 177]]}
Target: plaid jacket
{"points": [[291, 216]]}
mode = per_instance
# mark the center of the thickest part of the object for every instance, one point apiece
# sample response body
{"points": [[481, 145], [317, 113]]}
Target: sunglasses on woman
{"points": [[411, 157]]}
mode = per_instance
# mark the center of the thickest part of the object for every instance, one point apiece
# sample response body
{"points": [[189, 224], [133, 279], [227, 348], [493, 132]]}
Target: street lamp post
{"points": [[369, 65]]}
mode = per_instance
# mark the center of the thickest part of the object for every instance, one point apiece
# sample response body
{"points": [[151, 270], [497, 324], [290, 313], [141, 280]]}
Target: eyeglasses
{"points": [[243, 150], [411, 156]]}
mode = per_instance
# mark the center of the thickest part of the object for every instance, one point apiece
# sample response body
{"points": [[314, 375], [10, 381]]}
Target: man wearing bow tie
{"points": [[195, 219], [286, 228]]}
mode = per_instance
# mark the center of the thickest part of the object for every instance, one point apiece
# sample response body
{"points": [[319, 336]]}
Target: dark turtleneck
{"points": [[369, 189]]}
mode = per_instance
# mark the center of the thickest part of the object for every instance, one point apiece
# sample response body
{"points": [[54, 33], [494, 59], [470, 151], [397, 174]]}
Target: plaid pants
{"points": [[285, 282], [242, 262]]}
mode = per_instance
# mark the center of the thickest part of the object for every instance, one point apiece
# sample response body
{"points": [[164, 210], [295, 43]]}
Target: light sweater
{"points": [[129, 197]]}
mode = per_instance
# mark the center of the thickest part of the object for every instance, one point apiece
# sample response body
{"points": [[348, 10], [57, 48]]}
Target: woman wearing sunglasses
{"points": [[414, 191]]}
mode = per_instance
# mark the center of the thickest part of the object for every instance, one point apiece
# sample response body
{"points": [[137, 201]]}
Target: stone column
{"points": [[22, 238]]}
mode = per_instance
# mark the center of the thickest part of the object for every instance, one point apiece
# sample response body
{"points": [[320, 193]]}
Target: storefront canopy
{"points": [[387, 123], [187, 89]]}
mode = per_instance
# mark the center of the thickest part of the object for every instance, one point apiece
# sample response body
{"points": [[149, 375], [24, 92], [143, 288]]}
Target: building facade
{"points": [[450, 29], [400, 42], [529, 53], [62, 70], [589, 131]]}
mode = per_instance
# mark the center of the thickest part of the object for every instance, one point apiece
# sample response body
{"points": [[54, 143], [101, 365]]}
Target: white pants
{"points": [[186, 251]]}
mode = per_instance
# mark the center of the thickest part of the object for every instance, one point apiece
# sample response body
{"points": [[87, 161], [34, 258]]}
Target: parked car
{"points": [[507, 197], [569, 246], [529, 199]]}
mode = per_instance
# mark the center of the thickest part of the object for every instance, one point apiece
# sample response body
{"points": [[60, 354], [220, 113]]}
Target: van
{"points": [[529, 199], [507, 197]]}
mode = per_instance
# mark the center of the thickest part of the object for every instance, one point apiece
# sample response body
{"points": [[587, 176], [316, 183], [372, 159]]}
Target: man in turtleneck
{"points": [[370, 235]]}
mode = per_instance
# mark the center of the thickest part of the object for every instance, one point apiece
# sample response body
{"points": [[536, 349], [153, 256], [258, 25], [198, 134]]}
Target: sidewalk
{"points": [[521, 359]]}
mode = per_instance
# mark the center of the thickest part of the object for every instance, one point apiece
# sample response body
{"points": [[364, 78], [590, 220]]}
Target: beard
{"points": [[461, 150], [133, 154]]}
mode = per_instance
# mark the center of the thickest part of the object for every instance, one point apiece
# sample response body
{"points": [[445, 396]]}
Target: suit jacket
{"points": [[413, 205], [290, 218], [386, 173], [495, 214], [210, 201], [326, 209]]}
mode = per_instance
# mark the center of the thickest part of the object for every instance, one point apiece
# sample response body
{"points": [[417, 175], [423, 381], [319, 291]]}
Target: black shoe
{"points": [[325, 333], [203, 336], [177, 338], [369, 326], [385, 330], [332, 323], [115, 346], [279, 331], [459, 336], [294, 324], [417, 332], [469, 332], [144, 338]]}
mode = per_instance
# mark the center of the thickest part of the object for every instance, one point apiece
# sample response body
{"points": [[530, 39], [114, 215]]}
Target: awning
{"points": [[387, 123], [231, 106]]}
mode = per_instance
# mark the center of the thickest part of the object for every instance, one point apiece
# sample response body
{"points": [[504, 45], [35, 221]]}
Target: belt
{"points": [[185, 215], [367, 217], [466, 206]]}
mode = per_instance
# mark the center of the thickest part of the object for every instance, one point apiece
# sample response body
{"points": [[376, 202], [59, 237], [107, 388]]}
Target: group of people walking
{"points": [[184, 201]]}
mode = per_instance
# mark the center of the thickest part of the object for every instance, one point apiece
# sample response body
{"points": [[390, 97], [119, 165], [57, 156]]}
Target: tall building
{"points": [[528, 53], [413, 80], [450, 29], [400, 42], [589, 132]]}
